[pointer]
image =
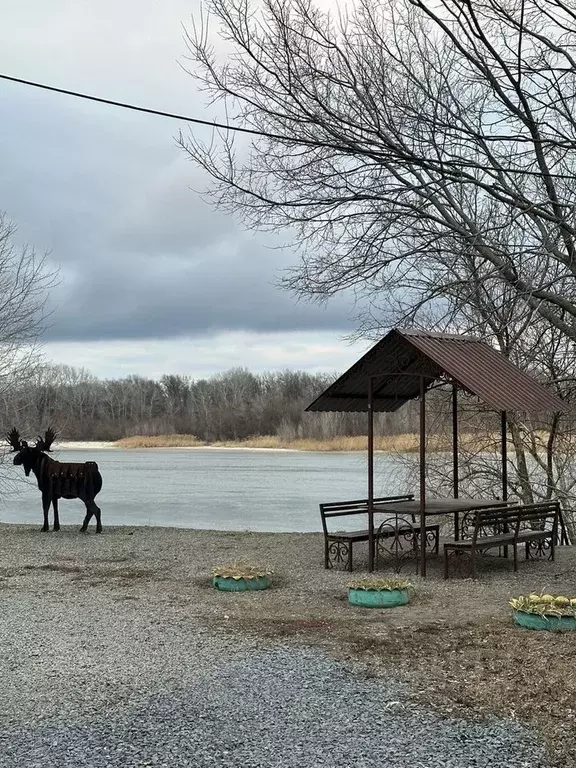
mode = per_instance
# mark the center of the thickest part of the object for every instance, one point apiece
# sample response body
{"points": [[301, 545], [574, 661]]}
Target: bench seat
{"points": [[486, 542], [521, 524], [338, 545]]}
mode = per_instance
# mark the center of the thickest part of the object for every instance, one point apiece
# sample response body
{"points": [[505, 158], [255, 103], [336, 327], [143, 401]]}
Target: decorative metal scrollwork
{"points": [[468, 525], [537, 550], [397, 538], [432, 540], [338, 553]]}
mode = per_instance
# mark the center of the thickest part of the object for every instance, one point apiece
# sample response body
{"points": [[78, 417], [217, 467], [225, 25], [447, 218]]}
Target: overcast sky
{"points": [[153, 280]]}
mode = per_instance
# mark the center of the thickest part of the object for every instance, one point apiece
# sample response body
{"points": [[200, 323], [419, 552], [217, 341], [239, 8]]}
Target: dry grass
{"points": [[486, 668], [159, 441], [401, 443], [406, 443]]}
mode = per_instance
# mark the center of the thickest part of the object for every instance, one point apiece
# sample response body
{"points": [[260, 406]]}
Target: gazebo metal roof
{"points": [[469, 363]]}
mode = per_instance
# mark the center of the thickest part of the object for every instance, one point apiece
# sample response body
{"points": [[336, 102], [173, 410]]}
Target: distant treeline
{"points": [[230, 406]]}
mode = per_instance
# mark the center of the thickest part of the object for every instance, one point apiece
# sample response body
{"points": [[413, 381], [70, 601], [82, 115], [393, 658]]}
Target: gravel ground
{"points": [[287, 708], [116, 651]]}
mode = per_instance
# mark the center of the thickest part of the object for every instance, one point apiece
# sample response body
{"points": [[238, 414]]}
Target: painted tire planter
{"points": [[545, 612], [229, 584], [378, 598], [543, 622]]}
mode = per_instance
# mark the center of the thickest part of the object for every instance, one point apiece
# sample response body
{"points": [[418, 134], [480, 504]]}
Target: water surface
{"points": [[217, 489]]}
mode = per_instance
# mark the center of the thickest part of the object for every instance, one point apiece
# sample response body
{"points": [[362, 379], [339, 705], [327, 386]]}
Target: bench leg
{"points": [[552, 548], [326, 555], [515, 554], [473, 556], [349, 556], [445, 562]]}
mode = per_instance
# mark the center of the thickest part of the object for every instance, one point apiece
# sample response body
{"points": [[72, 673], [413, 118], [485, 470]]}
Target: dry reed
{"points": [[406, 443], [159, 441]]}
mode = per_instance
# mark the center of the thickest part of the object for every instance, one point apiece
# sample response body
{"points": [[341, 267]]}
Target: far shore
{"points": [[389, 444], [405, 443], [101, 445]]}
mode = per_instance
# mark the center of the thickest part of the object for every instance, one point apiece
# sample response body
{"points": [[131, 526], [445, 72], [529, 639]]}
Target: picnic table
{"points": [[473, 524], [399, 527], [434, 507], [400, 533]]}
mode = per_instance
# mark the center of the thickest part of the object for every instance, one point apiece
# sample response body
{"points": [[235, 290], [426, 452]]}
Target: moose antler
{"points": [[44, 443], [13, 438]]}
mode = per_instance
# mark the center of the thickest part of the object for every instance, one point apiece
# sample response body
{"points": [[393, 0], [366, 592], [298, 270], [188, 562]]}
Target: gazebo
{"points": [[404, 365]]}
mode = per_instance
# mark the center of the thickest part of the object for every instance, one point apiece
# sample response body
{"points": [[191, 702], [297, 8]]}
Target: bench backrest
{"points": [[536, 516], [354, 507], [510, 519]]}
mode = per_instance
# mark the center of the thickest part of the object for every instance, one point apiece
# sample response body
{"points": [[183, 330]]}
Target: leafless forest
{"points": [[230, 406]]}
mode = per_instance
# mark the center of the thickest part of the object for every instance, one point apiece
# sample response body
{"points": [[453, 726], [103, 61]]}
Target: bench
{"points": [[509, 526], [338, 545]]}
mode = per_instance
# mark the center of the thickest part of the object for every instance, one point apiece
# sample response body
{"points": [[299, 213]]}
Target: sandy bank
{"points": [[77, 445], [102, 445]]}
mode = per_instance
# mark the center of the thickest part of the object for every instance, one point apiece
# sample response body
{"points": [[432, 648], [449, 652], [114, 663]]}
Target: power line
{"points": [[225, 126], [146, 110]]}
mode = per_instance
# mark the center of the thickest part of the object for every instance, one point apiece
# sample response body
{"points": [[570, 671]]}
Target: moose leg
{"points": [[46, 500], [89, 513], [92, 509], [98, 514], [56, 517]]}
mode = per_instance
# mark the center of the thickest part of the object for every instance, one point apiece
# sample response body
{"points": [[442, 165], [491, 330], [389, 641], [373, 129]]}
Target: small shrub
{"points": [[380, 585], [239, 571], [545, 605]]}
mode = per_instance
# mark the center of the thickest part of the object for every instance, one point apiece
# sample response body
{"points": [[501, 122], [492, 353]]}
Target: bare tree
{"points": [[25, 282], [542, 447], [391, 133]]}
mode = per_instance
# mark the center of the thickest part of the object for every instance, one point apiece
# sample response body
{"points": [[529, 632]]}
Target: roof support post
{"points": [[455, 456], [422, 477], [504, 434], [371, 474], [455, 439]]}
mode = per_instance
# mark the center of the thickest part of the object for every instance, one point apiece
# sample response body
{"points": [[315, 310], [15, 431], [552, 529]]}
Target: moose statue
{"points": [[57, 479]]}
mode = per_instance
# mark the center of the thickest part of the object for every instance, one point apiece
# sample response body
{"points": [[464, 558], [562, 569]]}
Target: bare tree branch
{"points": [[396, 131]]}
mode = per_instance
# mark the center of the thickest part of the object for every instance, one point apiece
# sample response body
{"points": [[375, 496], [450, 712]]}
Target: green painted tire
{"points": [[374, 598], [550, 623], [240, 585]]}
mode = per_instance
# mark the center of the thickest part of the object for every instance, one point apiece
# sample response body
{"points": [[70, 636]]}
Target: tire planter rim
{"points": [[378, 598], [228, 584], [548, 623]]}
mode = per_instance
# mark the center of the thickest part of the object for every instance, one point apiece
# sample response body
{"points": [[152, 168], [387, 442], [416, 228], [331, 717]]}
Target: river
{"points": [[219, 489]]}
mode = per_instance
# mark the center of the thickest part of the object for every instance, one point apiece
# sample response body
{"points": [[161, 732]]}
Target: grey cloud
{"points": [[224, 285], [108, 193]]}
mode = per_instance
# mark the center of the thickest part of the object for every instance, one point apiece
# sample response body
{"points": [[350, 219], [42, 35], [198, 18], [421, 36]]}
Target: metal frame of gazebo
{"points": [[403, 366]]}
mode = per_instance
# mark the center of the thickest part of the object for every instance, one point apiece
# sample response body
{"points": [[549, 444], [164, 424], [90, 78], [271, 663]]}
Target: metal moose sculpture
{"points": [[57, 479]]}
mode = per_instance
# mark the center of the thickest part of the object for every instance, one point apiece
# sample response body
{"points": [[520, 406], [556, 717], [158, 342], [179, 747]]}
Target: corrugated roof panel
{"points": [[474, 365]]}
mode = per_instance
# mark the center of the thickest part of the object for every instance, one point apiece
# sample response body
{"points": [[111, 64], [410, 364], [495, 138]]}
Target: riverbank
{"points": [[117, 652], [396, 443], [406, 443], [386, 444]]}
